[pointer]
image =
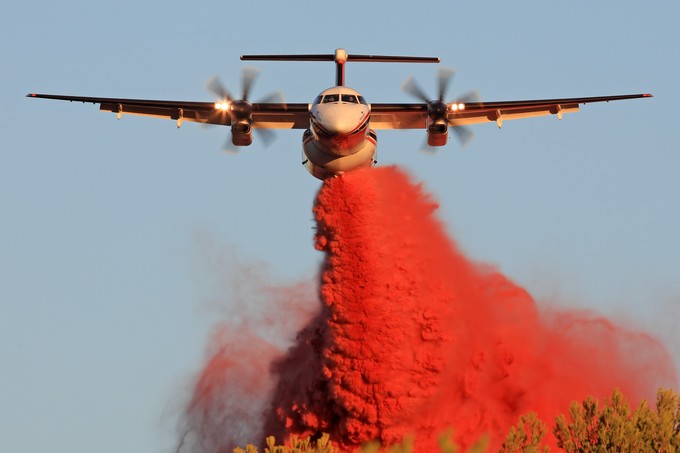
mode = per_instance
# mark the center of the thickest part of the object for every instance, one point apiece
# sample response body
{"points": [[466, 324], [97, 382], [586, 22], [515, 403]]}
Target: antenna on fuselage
{"points": [[340, 57]]}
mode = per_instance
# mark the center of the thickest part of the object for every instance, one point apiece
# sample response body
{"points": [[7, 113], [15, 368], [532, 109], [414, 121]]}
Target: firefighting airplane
{"points": [[340, 124]]}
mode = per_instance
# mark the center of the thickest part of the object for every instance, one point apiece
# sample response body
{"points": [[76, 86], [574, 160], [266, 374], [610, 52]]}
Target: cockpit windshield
{"points": [[345, 98]]}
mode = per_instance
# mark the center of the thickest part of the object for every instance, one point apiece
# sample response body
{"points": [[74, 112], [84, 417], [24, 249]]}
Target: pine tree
{"points": [[526, 437], [611, 427]]}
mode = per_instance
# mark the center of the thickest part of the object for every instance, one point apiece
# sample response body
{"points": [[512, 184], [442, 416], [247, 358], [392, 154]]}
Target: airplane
{"points": [[339, 125]]}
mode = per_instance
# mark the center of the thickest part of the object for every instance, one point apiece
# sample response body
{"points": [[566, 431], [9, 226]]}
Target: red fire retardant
{"points": [[415, 338]]}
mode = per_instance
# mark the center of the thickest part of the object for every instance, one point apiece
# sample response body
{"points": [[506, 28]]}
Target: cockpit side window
{"points": [[330, 98], [362, 100], [350, 98], [317, 100]]}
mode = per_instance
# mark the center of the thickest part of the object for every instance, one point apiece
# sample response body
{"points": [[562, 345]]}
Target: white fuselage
{"points": [[339, 138]]}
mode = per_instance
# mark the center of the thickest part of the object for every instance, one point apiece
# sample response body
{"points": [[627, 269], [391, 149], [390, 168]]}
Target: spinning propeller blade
{"points": [[438, 108], [248, 76]]}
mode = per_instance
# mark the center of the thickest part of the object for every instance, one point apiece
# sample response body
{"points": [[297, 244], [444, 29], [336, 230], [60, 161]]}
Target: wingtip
{"points": [[647, 95], [31, 95]]}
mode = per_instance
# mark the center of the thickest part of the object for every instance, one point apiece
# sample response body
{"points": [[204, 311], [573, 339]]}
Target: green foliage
{"points": [[306, 445], [480, 445], [590, 427], [667, 437], [446, 443], [610, 426], [297, 445], [249, 449], [526, 437], [324, 445]]}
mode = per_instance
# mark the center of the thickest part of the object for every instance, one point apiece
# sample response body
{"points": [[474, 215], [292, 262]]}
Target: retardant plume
{"points": [[414, 338], [258, 320]]}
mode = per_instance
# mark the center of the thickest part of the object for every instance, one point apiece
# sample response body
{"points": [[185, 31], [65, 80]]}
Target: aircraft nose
{"points": [[340, 123]]}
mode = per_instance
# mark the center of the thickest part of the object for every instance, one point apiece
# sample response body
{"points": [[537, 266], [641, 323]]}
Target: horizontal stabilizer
{"points": [[339, 56]]}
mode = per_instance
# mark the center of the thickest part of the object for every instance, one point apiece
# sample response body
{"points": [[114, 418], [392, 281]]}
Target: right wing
{"points": [[414, 116]]}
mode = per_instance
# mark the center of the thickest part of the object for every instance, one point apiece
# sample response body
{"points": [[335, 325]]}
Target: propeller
{"points": [[215, 86], [437, 109], [241, 108]]}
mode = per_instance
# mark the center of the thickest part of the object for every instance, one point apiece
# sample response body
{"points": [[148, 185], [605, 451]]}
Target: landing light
{"points": [[222, 105], [455, 107]]}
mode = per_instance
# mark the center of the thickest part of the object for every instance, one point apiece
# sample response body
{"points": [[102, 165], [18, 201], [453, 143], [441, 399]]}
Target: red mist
{"points": [[413, 338]]}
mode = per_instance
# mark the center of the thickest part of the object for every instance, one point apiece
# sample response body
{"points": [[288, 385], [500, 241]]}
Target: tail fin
{"points": [[340, 57]]}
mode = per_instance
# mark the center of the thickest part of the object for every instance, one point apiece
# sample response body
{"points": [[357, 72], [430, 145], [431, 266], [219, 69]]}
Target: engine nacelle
{"points": [[437, 134], [241, 133]]}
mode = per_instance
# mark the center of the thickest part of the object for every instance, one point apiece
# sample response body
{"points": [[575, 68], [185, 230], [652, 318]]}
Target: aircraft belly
{"points": [[322, 164], [341, 144]]}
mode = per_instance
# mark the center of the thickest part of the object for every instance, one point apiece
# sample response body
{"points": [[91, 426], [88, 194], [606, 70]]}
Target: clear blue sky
{"points": [[109, 228]]}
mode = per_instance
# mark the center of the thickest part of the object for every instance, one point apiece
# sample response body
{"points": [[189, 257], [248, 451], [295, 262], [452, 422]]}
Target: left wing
{"points": [[414, 116], [265, 115]]}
